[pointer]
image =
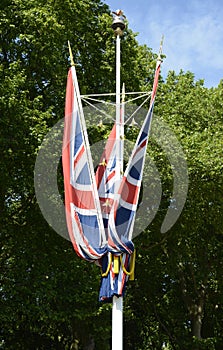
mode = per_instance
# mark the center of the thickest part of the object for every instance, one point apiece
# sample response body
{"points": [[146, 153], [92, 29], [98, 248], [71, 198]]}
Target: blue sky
{"points": [[193, 33]]}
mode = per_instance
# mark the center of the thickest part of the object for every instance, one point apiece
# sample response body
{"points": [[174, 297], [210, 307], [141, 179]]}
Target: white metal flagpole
{"points": [[118, 109], [117, 302], [117, 323], [117, 306]]}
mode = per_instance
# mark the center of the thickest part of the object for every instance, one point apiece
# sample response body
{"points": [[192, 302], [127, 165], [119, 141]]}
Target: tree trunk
{"points": [[74, 345], [90, 345], [195, 305], [196, 315], [196, 326]]}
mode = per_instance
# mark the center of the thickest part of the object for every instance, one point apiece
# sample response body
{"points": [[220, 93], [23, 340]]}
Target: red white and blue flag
{"points": [[123, 211], [106, 176], [84, 219], [100, 221], [121, 220], [113, 282]]}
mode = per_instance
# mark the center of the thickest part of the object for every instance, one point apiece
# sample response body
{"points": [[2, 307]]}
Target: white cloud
{"points": [[193, 33], [193, 41]]}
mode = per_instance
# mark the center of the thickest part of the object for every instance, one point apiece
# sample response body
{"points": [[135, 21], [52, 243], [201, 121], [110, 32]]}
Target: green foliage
{"points": [[179, 272], [48, 295]]}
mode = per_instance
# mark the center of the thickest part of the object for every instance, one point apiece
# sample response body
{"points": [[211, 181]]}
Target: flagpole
{"points": [[117, 302], [118, 26], [118, 109]]}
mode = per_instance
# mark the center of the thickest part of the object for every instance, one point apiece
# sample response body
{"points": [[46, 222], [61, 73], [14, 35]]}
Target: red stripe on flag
{"points": [[129, 192], [82, 200], [105, 156], [143, 144], [79, 155], [155, 84], [110, 176]]}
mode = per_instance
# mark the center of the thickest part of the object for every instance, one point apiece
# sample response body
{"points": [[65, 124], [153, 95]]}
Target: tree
{"points": [[177, 296], [179, 271], [41, 307]]}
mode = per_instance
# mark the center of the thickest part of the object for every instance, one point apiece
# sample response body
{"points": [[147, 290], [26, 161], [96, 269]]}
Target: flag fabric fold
{"points": [[113, 282], [121, 221], [106, 176], [123, 211]]}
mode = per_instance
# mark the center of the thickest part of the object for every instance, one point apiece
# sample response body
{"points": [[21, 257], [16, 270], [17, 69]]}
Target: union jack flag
{"points": [[121, 220], [112, 283], [84, 219], [106, 175], [100, 221], [122, 214]]}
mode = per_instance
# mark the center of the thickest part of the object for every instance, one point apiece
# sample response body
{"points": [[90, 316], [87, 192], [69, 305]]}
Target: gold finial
{"points": [[71, 55], [118, 24]]}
